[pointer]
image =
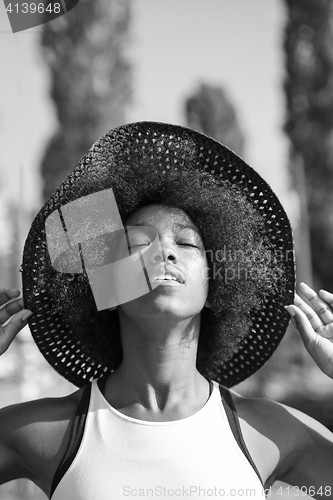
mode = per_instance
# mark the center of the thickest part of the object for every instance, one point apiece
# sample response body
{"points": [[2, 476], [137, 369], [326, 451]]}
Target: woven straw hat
{"points": [[62, 301]]}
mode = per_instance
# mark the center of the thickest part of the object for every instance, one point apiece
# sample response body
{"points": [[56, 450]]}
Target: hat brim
{"points": [[168, 148]]}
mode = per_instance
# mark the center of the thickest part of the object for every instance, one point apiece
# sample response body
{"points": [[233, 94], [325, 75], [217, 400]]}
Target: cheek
{"points": [[205, 275], [199, 275], [206, 280]]}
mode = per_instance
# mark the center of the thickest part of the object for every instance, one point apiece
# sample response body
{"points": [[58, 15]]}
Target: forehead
{"points": [[159, 214]]}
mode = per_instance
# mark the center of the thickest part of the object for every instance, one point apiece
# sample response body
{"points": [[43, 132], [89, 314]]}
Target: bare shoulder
{"points": [[34, 436], [267, 416], [283, 440]]}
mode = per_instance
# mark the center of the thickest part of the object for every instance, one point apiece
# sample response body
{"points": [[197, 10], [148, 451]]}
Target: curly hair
{"points": [[243, 267]]}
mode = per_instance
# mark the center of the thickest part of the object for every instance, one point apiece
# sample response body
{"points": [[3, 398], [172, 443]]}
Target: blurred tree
{"points": [[90, 85], [210, 111], [90, 78], [309, 124]]}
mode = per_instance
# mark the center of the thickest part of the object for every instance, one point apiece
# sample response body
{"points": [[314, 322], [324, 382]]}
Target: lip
{"points": [[161, 270], [167, 282]]}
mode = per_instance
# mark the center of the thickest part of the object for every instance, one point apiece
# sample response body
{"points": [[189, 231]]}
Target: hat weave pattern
{"points": [[166, 148]]}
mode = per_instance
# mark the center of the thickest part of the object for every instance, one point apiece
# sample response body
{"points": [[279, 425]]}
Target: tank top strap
{"points": [[75, 438], [78, 424], [230, 410]]}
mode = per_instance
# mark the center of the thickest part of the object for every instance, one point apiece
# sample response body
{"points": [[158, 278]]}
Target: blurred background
{"points": [[255, 74]]}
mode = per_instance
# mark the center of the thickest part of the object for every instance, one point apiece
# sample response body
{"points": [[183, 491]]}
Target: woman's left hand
{"points": [[315, 325]]}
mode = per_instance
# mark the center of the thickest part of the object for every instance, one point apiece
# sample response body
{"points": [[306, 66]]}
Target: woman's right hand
{"points": [[17, 314]]}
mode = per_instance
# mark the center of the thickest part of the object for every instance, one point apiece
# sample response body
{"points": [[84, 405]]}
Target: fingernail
{"points": [[290, 311], [26, 316]]}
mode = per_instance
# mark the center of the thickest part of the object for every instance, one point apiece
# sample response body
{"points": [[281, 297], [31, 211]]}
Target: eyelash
{"points": [[187, 245], [149, 243]]}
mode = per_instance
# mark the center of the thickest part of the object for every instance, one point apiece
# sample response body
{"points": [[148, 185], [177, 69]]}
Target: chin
{"points": [[148, 305]]}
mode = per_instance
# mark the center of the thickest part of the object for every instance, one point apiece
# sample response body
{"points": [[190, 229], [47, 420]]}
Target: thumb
{"points": [[12, 328]]}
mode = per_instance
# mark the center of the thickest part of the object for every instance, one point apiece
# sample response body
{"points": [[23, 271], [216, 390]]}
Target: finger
{"points": [[9, 332], [310, 314], [310, 338], [7, 294], [326, 331], [9, 309], [321, 349], [302, 324], [327, 297], [320, 306]]}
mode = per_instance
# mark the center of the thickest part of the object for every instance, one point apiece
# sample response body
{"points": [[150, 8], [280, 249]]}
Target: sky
{"points": [[175, 45], [237, 44]]}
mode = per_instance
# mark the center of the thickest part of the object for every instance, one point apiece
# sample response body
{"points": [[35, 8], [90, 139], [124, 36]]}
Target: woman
{"points": [[211, 243]]}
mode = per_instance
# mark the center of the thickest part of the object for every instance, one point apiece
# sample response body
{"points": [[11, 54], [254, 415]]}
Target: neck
{"points": [[159, 360]]}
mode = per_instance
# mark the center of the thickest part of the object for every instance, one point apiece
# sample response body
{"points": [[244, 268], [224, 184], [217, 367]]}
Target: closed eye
{"points": [[188, 245], [133, 245]]}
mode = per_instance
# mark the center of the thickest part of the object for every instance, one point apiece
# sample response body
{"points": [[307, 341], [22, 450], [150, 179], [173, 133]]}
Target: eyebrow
{"points": [[178, 225]]}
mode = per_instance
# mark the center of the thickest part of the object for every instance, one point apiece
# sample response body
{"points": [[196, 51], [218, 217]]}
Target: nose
{"points": [[166, 253]]}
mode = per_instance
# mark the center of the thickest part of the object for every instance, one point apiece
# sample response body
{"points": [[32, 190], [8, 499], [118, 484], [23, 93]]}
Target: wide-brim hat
{"points": [[165, 149]]}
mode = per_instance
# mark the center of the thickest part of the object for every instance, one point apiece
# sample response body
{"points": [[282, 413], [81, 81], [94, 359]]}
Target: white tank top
{"points": [[119, 457]]}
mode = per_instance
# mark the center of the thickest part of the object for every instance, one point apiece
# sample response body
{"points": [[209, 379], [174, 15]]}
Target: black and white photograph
{"points": [[166, 249]]}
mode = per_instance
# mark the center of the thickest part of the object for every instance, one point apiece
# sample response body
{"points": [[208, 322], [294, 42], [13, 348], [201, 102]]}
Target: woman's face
{"points": [[178, 271]]}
